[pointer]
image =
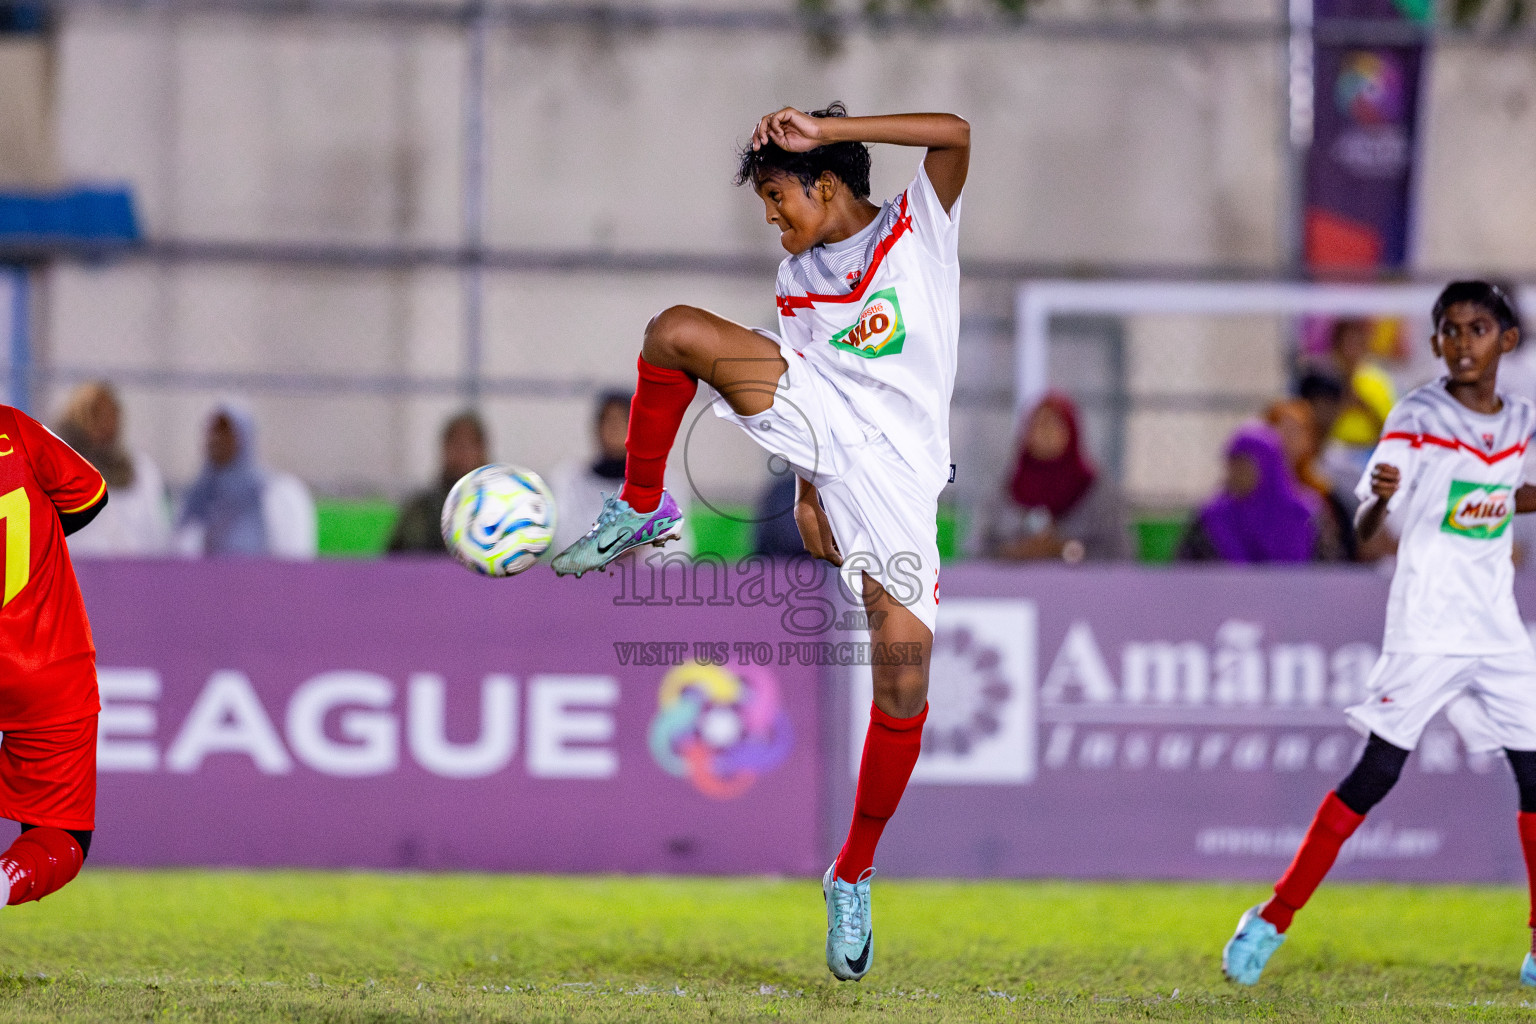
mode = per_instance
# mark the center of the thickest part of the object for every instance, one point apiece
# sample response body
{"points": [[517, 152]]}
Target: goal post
{"points": [[1161, 427], [1036, 302]]}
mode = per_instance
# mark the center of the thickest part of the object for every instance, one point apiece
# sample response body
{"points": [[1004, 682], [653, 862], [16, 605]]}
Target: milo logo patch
{"points": [[1479, 511], [880, 330]]}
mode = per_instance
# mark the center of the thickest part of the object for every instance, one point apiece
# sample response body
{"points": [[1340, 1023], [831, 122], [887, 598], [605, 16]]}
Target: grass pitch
{"points": [[309, 946]]}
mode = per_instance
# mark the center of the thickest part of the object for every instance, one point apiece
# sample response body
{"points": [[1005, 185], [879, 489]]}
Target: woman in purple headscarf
{"points": [[1262, 513]]}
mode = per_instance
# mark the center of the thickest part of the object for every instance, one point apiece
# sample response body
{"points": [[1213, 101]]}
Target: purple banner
{"points": [[1359, 172], [1123, 723], [411, 715]]}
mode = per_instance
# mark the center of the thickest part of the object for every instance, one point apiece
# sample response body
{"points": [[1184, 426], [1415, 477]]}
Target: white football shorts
{"points": [[884, 519], [1489, 698]]}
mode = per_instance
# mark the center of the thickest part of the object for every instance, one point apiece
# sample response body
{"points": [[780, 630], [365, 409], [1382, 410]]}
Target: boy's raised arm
{"points": [[946, 136]]}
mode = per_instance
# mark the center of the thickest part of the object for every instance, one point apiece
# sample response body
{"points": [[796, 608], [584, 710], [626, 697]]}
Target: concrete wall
{"points": [[310, 131], [27, 151]]}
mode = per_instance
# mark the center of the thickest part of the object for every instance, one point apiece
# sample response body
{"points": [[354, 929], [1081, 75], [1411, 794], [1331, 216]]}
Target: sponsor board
{"points": [[1181, 723], [408, 714], [1086, 722]]}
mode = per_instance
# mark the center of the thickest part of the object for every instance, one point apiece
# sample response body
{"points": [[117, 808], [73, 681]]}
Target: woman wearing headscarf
{"points": [[1261, 514], [237, 507], [1301, 441], [1055, 504], [136, 522]]}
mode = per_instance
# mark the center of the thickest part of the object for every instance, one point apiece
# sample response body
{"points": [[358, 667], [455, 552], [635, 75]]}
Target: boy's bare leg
{"points": [[902, 648], [736, 361]]}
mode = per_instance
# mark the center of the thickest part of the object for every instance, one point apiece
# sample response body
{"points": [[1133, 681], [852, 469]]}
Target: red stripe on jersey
{"points": [[789, 303], [1419, 440]]}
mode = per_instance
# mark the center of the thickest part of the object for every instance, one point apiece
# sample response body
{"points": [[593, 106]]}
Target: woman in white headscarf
{"points": [[236, 506]]}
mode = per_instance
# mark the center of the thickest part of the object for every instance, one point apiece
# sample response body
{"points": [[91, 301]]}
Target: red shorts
{"points": [[48, 775]]}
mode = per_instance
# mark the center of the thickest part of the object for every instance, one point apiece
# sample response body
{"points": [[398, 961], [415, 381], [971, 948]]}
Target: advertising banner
{"points": [[407, 714], [1132, 723], [1088, 722], [1359, 174]]}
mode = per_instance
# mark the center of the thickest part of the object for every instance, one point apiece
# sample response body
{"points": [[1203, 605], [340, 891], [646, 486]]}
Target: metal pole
{"points": [[1300, 115], [477, 28], [21, 339]]}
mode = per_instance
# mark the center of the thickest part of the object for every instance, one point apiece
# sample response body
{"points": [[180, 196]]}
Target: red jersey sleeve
{"points": [[71, 483]]}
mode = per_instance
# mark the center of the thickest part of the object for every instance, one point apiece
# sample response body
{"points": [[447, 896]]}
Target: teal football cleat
{"points": [[850, 932], [1250, 948], [618, 529], [1528, 971]]}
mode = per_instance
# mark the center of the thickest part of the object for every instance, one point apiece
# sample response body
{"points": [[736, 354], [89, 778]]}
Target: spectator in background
{"points": [[579, 485], [1056, 504], [1262, 514], [1368, 392], [419, 525], [1324, 394], [237, 507], [1294, 422], [136, 521], [775, 532]]}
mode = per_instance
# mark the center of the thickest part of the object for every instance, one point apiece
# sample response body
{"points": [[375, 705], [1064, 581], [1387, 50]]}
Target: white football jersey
{"points": [[1453, 591], [886, 329]]}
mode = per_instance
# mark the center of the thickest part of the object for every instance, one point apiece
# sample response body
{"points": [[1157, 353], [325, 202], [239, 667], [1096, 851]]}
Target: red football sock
{"points": [[890, 753], [1333, 823], [1528, 845], [655, 414], [42, 861]]}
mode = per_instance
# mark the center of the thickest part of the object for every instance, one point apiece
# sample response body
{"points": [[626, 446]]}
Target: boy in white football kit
{"points": [[853, 394], [1447, 477]]}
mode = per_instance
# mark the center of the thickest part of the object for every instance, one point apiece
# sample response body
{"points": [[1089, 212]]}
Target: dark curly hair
{"points": [[848, 160], [1480, 293]]}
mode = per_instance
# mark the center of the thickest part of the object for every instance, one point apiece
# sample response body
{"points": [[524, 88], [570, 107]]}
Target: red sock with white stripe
{"points": [[1333, 823], [656, 412], [891, 747], [41, 861]]}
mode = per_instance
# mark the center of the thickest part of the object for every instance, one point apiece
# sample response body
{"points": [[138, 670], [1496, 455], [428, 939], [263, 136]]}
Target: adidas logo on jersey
{"points": [[1478, 511]]}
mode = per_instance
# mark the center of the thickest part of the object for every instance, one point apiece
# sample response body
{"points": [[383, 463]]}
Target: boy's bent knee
{"points": [[1373, 777], [672, 336], [901, 690]]}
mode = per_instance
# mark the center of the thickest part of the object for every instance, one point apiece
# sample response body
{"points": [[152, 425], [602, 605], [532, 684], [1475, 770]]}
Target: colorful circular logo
{"points": [[720, 727], [1370, 89]]}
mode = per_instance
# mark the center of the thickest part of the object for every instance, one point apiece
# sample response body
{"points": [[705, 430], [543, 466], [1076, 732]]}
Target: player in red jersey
{"points": [[48, 696]]}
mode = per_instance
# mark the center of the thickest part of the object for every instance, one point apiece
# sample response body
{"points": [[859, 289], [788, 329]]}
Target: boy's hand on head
{"points": [[1384, 481], [790, 130]]}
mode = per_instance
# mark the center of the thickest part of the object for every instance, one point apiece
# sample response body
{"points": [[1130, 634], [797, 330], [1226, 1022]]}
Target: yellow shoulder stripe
{"points": [[99, 492]]}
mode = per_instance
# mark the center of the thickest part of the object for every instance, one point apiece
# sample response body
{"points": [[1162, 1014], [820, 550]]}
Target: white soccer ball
{"points": [[498, 520]]}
